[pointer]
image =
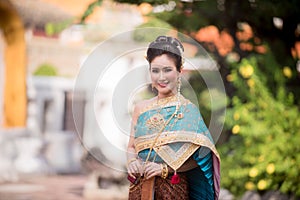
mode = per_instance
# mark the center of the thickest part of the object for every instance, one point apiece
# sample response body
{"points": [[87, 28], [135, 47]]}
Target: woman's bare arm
{"points": [[134, 165]]}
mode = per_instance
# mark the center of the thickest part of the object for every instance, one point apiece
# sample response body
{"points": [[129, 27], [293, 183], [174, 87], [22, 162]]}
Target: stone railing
{"points": [[49, 143]]}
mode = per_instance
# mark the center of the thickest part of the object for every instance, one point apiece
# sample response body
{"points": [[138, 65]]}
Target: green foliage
{"points": [[55, 28], [262, 154], [90, 10], [45, 70], [138, 2], [142, 34]]}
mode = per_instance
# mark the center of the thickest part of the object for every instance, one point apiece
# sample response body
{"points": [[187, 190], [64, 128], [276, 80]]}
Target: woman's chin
{"points": [[165, 92]]}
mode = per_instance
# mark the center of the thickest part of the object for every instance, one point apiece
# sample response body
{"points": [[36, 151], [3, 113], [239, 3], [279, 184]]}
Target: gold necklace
{"points": [[164, 101], [157, 121]]}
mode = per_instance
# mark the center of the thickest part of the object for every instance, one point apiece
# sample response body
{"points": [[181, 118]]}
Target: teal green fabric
{"points": [[201, 178]]}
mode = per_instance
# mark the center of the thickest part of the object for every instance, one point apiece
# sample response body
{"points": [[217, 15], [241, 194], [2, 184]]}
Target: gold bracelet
{"points": [[167, 170], [131, 160], [164, 171]]}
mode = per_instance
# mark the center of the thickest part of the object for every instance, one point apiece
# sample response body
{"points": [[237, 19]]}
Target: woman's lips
{"points": [[162, 85]]}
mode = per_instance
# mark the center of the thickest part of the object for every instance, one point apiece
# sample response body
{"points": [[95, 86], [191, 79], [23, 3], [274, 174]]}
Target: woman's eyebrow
{"points": [[163, 66]]}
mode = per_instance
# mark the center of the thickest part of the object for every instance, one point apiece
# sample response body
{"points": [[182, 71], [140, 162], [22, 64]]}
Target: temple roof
{"points": [[37, 13]]}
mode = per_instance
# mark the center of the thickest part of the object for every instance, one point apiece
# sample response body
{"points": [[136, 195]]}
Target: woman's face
{"points": [[164, 75]]}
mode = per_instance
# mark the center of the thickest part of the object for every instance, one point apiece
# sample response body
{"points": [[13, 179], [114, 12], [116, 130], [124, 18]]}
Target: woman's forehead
{"points": [[162, 65], [163, 61]]}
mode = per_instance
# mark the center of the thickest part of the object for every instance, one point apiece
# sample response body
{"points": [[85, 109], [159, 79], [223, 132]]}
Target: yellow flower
{"points": [[270, 168], [246, 71], [253, 172], [249, 185], [287, 72], [262, 184], [229, 77], [236, 116], [145, 8], [236, 129], [261, 158], [251, 83]]}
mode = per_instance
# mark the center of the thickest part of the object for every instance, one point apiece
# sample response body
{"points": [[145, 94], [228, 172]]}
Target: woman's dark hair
{"points": [[169, 46]]}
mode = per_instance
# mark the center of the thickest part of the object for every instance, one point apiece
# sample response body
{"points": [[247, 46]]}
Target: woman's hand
{"points": [[135, 167], [152, 169]]}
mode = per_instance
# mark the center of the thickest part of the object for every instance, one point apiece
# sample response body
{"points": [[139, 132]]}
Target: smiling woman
{"points": [[164, 75], [171, 154], [165, 62]]}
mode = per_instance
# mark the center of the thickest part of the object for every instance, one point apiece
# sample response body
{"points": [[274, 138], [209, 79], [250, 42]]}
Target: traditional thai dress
{"points": [[172, 139]]}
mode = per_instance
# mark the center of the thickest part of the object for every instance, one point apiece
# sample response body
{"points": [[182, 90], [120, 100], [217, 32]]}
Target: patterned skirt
{"points": [[160, 189]]}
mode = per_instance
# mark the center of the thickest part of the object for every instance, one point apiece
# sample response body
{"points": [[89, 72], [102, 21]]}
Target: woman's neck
{"points": [[165, 99], [163, 96]]}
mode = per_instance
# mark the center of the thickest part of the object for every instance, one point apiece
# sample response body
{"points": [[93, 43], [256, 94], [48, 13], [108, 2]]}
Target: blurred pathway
{"points": [[60, 187]]}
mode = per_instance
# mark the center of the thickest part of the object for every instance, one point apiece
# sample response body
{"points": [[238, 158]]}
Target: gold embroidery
{"points": [[155, 122], [192, 141], [166, 102], [176, 159], [168, 137], [180, 115]]}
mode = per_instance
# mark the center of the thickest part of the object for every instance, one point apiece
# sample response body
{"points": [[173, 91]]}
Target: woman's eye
{"points": [[168, 70], [154, 71]]}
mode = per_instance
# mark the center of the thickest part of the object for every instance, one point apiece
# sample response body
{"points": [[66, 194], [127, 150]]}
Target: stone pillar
{"points": [[2, 77], [15, 66]]}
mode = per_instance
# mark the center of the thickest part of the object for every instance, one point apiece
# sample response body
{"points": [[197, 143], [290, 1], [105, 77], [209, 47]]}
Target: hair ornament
{"points": [[166, 44]]}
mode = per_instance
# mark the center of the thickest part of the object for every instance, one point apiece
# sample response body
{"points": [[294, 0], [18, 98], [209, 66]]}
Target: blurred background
{"points": [[255, 45]]}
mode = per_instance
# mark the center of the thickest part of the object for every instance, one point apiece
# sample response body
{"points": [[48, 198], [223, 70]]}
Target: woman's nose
{"points": [[161, 75]]}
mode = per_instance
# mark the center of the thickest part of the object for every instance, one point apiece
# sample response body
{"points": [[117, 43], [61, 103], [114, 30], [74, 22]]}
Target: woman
{"points": [[171, 154]]}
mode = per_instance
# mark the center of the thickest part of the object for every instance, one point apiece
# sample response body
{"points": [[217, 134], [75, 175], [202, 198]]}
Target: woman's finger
{"points": [[133, 168], [152, 169], [152, 173]]}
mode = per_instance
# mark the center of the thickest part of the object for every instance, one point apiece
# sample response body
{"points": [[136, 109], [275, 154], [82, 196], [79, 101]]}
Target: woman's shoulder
{"points": [[187, 102], [142, 105], [189, 105]]}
